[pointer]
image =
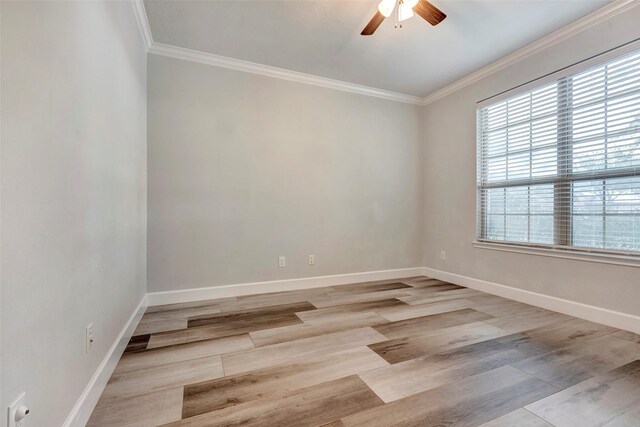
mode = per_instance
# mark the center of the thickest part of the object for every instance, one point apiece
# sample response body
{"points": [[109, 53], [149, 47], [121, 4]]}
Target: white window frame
{"points": [[564, 249]]}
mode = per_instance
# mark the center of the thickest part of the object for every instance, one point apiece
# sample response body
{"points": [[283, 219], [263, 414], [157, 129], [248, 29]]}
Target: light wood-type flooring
{"points": [[405, 352]]}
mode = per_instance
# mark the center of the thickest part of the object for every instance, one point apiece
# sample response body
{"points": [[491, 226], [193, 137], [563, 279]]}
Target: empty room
{"points": [[320, 213]]}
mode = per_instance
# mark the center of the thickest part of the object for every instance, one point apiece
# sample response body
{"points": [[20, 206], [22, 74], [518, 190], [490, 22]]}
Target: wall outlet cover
{"points": [[88, 337], [19, 405]]}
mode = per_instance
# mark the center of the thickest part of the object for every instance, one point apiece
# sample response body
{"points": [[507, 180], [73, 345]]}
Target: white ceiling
{"points": [[323, 37]]}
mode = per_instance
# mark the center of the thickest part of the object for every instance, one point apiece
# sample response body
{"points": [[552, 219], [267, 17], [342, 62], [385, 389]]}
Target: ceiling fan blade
{"points": [[429, 12], [373, 25]]}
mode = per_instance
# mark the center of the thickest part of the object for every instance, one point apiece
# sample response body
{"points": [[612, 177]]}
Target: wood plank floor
{"points": [[405, 352]]}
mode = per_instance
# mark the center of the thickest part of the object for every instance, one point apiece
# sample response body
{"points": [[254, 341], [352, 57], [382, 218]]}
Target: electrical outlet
{"points": [[18, 411], [312, 260], [443, 255], [282, 262], [89, 337]]}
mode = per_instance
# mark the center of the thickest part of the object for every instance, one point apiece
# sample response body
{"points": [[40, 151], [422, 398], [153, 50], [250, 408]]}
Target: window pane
{"points": [[588, 197], [589, 156], [517, 228], [518, 165], [587, 231], [544, 162], [541, 201], [541, 208], [623, 196], [517, 200], [542, 229], [495, 227], [496, 169], [588, 122], [613, 206], [495, 201], [496, 116], [544, 132], [622, 232], [624, 152]]}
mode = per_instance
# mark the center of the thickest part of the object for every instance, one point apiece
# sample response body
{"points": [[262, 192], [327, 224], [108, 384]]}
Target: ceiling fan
{"points": [[404, 11]]}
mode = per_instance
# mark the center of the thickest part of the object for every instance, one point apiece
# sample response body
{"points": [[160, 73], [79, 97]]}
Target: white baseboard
{"points": [[213, 292], [592, 313], [86, 403]]}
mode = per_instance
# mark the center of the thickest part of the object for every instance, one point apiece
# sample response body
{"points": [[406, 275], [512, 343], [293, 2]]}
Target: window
{"points": [[559, 165]]}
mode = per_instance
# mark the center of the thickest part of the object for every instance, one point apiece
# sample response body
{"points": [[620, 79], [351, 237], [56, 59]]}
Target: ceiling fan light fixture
{"points": [[386, 7], [404, 11]]}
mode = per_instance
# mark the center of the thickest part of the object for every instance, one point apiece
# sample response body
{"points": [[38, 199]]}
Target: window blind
{"points": [[559, 164]]}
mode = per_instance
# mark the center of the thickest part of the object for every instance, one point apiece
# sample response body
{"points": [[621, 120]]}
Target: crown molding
{"points": [[252, 67], [602, 14], [556, 37], [143, 22], [279, 73]]}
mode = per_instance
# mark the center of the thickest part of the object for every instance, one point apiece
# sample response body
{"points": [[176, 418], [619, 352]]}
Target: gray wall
{"points": [[73, 194], [244, 168], [449, 136]]}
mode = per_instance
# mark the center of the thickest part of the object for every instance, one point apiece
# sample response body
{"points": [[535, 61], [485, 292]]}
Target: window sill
{"points": [[577, 255]]}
